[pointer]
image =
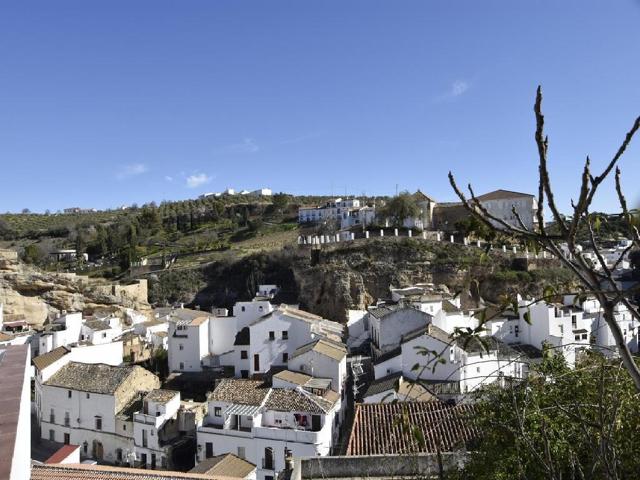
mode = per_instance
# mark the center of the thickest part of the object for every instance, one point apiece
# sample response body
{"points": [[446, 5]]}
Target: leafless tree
{"points": [[597, 282]]}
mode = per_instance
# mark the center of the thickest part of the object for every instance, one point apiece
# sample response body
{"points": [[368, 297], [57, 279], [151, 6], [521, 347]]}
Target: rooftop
{"points": [[228, 465], [13, 361], [97, 325], [43, 361], [62, 454], [284, 400], [296, 378], [94, 378], [239, 391], [69, 471], [160, 395], [502, 195], [389, 428], [328, 348]]}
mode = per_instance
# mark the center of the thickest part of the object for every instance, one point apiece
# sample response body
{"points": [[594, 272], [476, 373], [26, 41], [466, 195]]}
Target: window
{"points": [[242, 309], [88, 396], [98, 423], [67, 439], [217, 411], [244, 373], [285, 357], [267, 462], [517, 330], [180, 347], [302, 368], [104, 335], [208, 450], [66, 419], [244, 354], [69, 394], [52, 435], [124, 428], [241, 452], [285, 334], [181, 366], [272, 335], [52, 416], [119, 454]]}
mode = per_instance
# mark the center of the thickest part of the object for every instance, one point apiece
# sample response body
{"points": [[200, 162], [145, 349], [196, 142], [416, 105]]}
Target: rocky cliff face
{"points": [[36, 295], [340, 277]]}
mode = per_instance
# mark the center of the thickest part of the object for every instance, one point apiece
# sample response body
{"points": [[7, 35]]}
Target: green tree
{"points": [[32, 254], [560, 423], [401, 207], [280, 201]]}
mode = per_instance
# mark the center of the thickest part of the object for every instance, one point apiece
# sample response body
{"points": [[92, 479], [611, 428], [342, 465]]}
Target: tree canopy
{"points": [[560, 423]]}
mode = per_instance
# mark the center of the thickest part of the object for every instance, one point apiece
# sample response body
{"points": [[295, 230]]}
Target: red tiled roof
{"points": [[13, 361], [69, 471], [61, 454], [389, 428]]}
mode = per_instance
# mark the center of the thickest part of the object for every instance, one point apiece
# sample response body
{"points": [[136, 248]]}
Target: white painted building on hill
{"points": [[266, 426]]}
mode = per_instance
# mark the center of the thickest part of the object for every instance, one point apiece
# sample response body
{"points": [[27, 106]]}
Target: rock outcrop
{"points": [[37, 295], [338, 277]]}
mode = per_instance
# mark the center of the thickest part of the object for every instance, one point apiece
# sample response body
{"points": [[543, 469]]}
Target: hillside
{"points": [[189, 232], [340, 277]]}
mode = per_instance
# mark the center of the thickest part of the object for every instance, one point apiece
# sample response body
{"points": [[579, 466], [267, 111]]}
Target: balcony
{"points": [[146, 419]]}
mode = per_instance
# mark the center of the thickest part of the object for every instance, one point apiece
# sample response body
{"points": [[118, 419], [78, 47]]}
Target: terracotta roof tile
{"points": [[285, 400], [43, 361], [95, 378], [240, 391], [70, 471], [378, 428], [228, 465]]}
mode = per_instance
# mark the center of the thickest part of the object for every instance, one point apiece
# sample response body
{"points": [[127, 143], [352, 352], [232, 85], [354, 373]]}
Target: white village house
{"points": [[266, 426]]}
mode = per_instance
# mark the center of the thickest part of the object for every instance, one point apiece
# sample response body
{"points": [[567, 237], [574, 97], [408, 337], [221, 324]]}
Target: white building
{"points": [[85, 404], [468, 365], [15, 417], [262, 192], [47, 364], [266, 426], [188, 343], [564, 328], [389, 323], [501, 203], [346, 213], [273, 338]]}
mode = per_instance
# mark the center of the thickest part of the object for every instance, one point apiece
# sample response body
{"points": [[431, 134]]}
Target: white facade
{"points": [[501, 203], [264, 433], [565, 329], [469, 366], [188, 344], [73, 412], [388, 325], [345, 212], [108, 353]]}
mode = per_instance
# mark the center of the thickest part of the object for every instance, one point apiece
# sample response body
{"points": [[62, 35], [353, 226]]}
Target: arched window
{"points": [[268, 459]]}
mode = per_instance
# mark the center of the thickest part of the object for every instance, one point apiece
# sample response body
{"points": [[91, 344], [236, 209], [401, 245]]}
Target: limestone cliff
{"points": [[37, 295], [339, 277]]}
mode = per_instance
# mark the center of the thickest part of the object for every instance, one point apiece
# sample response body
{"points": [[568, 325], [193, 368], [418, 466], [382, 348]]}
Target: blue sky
{"points": [[113, 102]]}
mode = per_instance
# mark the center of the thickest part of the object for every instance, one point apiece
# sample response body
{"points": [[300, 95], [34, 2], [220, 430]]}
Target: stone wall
{"points": [[376, 466], [140, 380]]}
